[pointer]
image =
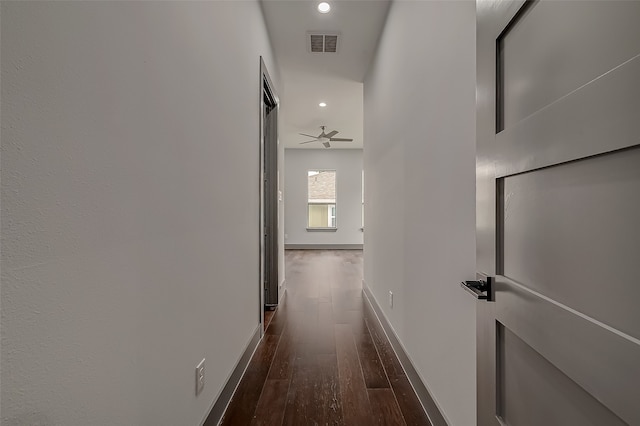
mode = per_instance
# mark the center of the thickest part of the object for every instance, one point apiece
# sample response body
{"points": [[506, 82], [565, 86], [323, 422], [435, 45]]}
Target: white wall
{"points": [[348, 166], [130, 135], [419, 192], [281, 241]]}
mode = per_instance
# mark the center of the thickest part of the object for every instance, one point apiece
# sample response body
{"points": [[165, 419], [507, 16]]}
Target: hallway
{"points": [[324, 358]]}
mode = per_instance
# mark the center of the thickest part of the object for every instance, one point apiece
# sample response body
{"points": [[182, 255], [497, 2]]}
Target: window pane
{"points": [[318, 216], [321, 190]]}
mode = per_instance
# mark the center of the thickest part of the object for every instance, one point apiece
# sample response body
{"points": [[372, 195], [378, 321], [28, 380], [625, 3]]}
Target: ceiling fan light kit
{"points": [[325, 138]]}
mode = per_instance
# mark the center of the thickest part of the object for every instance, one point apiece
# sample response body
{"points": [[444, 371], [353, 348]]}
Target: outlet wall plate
{"points": [[390, 299], [200, 377]]}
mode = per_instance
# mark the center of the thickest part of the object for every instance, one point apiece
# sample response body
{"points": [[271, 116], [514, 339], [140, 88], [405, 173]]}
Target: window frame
{"points": [[334, 204]]}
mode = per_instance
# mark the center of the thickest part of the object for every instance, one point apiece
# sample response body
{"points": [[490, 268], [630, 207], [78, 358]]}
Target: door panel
{"points": [[555, 48], [599, 359], [569, 234], [600, 117], [529, 383], [558, 202], [270, 182]]}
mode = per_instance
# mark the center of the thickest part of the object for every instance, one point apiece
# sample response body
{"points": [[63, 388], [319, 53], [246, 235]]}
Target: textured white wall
{"points": [[348, 166], [419, 162], [130, 135]]}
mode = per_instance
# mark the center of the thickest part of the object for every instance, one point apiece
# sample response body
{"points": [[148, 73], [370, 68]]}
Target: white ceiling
{"points": [[334, 78]]}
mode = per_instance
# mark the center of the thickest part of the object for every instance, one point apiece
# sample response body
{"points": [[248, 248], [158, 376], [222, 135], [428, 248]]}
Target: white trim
{"points": [[322, 200]]}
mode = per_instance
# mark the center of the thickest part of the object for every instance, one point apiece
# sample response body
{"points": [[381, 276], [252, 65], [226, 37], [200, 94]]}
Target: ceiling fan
{"points": [[325, 138]]}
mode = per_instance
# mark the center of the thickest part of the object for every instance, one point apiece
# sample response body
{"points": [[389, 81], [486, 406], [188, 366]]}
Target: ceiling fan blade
{"points": [[326, 144], [309, 136], [340, 140], [315, 140], [331, 134]]}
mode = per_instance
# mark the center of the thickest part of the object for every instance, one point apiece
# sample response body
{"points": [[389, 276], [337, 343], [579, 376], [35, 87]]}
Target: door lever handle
{"points": [[480, 289]]}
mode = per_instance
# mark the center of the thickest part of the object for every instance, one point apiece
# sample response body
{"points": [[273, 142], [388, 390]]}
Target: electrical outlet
{"points": [[200, 377], [390, 299]]}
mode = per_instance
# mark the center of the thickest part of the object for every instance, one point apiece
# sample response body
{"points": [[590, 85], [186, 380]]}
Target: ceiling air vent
{"points": [[317, 43], [322, 42], [330, 43]]}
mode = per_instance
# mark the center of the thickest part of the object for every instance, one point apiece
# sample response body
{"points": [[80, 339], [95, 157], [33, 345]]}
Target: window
{"points": [[321, 199]]}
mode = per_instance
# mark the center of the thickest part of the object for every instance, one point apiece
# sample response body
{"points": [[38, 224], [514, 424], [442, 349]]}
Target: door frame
{"points": [[268, 146]]}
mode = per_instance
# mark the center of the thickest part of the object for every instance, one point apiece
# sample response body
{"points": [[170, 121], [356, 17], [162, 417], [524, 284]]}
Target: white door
{"points": [[558, 212]]}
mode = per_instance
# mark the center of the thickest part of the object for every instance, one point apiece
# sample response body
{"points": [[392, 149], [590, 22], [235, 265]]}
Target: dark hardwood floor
{"points": [[324, 360], [268, 314]]}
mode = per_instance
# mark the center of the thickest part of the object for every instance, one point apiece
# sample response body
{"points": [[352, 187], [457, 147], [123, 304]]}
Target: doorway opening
{"points": [[269, 282]]}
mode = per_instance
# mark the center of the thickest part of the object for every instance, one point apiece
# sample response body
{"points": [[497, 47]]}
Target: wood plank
{"points": [[331, 403], [306, 345], [325, 341], [272, 403], [268, 315], [358, 323], [355, 401], [347, 299], [385, 407], [277, 322], [263, 357], [314, 392], [372, 370], [410, 406], [245, 399], [282, 365], [388, 357], [300, 400]]}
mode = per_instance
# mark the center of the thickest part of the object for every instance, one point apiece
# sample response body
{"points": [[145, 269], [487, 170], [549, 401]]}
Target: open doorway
{"points": [[268, 195]]}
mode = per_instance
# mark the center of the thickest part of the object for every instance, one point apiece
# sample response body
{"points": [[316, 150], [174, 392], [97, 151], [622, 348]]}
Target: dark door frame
{"points": [[269, 105]]}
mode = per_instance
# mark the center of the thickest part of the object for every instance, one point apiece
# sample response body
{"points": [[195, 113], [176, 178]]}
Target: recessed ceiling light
{"points": [[324, 7], [322, 104]]}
